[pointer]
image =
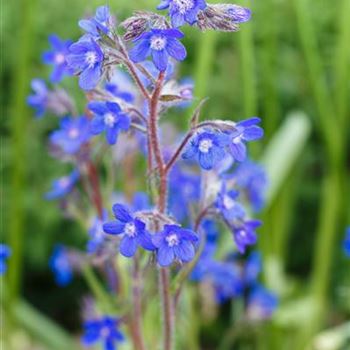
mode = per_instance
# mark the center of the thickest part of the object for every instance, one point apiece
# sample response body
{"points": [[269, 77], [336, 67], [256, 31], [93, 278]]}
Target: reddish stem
{"points": [[95, 187]]}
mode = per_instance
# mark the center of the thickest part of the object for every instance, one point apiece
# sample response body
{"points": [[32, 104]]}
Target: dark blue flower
{"points": [[62, 186], [86, 58], [174, 243], [160, 43], [346, 243], [227, 204], [101, 22], [105, 330], [252, 179], [244, 234], [252, 268], [57, 58], [208, 148], [60, 266], [133, 230], [73, 133], [97, 236], [181, 11], [39, 99], [110, 118], [185, 190], [237, 13], [5, 253], [246, 130], [261, 303]]}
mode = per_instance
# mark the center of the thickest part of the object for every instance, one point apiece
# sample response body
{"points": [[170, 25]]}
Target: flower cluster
{"points": [[130, 84], [5, 253]]}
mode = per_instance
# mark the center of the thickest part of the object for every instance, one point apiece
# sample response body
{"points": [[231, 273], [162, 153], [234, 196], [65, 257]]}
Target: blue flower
{"points": [[252, 179], [57, 58], [252, 268], [101, 22], [174, 243], [140, 201], [185, 189], [86, 58], [208, 148], [62, 186], [181, 11], [97, 236], [347, 242], [105, 330], [261, 303], [133, 230], [115, 90], [246, 130], [237, 13], [110, 118], [160, 43], [244, 234], [60, 266], [5, 253], [73, 133], [227, 204], [39, 99]]}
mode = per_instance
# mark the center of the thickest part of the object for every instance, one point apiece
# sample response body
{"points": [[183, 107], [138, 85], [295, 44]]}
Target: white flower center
{"points": [[183, 5], [228, 202], [64, 182], [237, 139], [59, 58], [105, 332], [172, 240], [73, 133], [130, 229], [242, 233], [158, 42], [90, 58], [109, 119], [205, 145]]}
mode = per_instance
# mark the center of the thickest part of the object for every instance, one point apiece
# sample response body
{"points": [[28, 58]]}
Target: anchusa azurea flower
{"points": [[62, 186], [109, 118], [86, 58], [130, 84], [261, 303], [104, 330], [346, 243], [57, 58], [160, 44], [133, 230], [181, 11], [72, 135], [60, 266], [5, 253]]}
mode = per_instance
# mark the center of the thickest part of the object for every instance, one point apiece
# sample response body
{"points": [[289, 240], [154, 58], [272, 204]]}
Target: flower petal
{"points": [[165, 255], [140, 51], [122, 213], [128, 246], [160, 59], [113, 227], [206, 160], [90, 77], [184, 251], [176, 50], [238, 151]]}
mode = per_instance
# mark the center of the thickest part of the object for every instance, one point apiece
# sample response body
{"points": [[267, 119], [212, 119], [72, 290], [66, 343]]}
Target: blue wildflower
{"points": [[140, 201], [115, 90], [246, 130], [227, 204], [174, 243], [102, 22], [208, 148], [105, 330], [133, 230], [39, 99], [237, 13], [181, 11], [62, 186], [160, 43], [57, 58], [86, 58], [252, 179], [347, 242], [96, 233], [252, 268], [244, 234], [5, 253], [110, 118], [261, 303], [73, 133], [60, 266]]}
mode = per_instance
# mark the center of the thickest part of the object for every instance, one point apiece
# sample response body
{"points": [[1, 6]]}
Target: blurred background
{"points": [[290, 65]]}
